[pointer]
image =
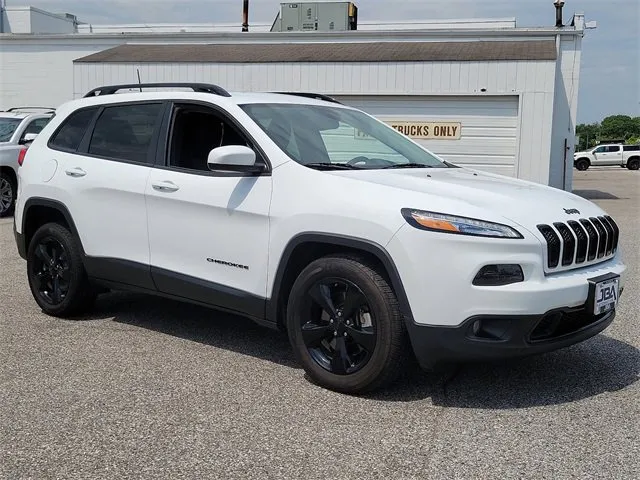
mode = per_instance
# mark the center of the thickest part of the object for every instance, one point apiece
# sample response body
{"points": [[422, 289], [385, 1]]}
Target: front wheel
{"points": [[56, 274], [345, 325], [582, 164]]}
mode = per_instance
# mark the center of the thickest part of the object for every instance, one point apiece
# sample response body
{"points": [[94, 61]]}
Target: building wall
{"points": [[30, 20], [39, 70]]}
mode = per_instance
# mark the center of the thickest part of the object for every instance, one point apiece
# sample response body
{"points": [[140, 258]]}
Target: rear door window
{"points": [[125, 132], [70, 134]]}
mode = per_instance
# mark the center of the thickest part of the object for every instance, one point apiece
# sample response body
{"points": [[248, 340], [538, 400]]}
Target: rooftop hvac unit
{"points": [[316, 16]]}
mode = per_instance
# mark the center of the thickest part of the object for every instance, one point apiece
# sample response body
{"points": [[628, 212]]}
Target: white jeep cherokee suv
{"points": [[310, 216]]}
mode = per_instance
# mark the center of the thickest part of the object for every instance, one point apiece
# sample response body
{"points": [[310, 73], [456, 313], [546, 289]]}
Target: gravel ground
{"points": [[148, 388]]}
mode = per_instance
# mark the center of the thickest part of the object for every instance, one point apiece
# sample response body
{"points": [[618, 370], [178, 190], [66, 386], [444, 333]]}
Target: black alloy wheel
{"points": [[633, 164], [56, 274], [7, 195], [338, 328], [345, 324], [51, 271]]}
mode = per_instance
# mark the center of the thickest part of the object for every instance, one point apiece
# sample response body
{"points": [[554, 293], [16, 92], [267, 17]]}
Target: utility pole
{"points": [[245, 15]]}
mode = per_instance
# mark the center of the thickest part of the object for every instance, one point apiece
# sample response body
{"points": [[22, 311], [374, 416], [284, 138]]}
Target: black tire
{"points": [[583, 164], [74, 294], [633, 163], [8, 192], [366, 369]]}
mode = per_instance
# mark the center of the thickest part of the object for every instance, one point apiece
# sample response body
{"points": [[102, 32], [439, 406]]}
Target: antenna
{"points": [[139, 81]]}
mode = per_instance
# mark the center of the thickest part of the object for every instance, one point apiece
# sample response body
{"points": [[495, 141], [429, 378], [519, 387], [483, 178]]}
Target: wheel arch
{"points": [[38, 211], [307, 247], [10, 172]]}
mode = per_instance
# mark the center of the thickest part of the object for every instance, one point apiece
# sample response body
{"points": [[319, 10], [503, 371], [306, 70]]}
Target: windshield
{"points": [[8, 127], [338, 138]]}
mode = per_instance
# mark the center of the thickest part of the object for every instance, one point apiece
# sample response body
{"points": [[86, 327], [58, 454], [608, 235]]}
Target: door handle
{"points": [[76, 172], [165, 187]]}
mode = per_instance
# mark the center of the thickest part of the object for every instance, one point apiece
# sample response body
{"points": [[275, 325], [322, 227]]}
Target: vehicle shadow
{"points": [[599, 365], [194, 323], [595, 195]]}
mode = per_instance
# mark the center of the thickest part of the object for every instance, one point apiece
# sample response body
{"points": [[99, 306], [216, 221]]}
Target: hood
{"points": [[522, 202]]}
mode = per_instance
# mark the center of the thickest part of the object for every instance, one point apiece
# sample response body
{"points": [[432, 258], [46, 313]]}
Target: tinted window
{"points": [[632, 148], [196, 131], [73, 129], [614, 148], [125, 132], [8, 127], [600, 150]]}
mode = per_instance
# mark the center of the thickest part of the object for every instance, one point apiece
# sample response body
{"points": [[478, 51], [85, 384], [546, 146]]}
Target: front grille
{"points": [[575, 243], [583, 241], [593, 239]]}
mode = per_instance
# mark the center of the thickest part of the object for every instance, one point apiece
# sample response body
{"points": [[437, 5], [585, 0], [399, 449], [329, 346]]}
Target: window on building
{"points": [[124, 132], [69, 135]]}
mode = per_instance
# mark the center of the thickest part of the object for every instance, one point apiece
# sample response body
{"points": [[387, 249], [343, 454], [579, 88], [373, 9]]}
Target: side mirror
{"points": [[28, 138], [234, 158]]}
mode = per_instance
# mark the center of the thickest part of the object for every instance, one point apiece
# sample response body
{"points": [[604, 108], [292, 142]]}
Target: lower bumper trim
{"points": [[20, 242], [494, 337]]}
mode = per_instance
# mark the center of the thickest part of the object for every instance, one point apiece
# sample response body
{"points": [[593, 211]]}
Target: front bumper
{"points": [[487, 337], [540, 314]]}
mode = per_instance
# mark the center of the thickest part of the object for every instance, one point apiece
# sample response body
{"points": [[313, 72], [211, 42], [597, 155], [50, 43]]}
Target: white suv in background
{"points": [[273, 206], [609, 155], [18, 127]]}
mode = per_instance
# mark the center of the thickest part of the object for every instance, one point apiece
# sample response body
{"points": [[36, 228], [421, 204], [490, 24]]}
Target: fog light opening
{"points": [[498, 275], [490, 329]]}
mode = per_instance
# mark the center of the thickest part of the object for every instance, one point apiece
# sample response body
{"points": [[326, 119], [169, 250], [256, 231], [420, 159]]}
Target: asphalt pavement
{"points": [[150, 388]]}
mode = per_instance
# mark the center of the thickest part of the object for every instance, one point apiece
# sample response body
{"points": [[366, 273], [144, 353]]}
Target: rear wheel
{"points": [[56, 274], [8, 192], [633, 163], [345, 325], [583, 164]]}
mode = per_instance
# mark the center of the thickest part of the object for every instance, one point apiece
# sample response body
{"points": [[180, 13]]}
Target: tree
{"points": [[619, 127], [589, 134]]}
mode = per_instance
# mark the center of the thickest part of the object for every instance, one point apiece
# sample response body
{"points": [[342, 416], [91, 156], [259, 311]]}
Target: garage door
{"points": [[479, 132]]}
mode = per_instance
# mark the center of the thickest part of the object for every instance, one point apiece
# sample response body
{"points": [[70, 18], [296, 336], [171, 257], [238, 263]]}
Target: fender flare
{"points": [[56, 205], [367, 246]]}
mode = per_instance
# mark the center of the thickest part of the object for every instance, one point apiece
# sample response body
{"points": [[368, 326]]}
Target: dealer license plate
{"points": [[605, 294]]}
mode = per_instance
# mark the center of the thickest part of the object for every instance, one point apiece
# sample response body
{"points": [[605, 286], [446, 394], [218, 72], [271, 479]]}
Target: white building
{"points": [[507, 95]]}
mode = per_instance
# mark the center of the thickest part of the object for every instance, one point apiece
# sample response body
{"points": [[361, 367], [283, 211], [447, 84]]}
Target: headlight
{"points": [[440, 222]]}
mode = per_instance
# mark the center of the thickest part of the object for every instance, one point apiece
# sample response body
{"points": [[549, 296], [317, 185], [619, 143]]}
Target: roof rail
{"points": [[196, 87], [317, 96], [21, 109]]}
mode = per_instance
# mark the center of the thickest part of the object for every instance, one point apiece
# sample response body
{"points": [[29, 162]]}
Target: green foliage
{"points": [[614, 127]]}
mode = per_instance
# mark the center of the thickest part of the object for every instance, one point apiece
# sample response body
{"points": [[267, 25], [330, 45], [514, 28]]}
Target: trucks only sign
{"points": [[424, 130]]}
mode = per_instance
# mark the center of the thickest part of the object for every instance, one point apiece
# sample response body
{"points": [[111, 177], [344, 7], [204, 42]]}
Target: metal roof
{"points": [[328, 52]]}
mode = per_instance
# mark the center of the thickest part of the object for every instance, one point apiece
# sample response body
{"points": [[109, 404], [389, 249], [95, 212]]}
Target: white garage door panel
{"points": [[488, 137]]}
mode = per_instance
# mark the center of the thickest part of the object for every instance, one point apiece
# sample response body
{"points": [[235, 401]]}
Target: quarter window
{"points": [[69, 135], [125, 132]]}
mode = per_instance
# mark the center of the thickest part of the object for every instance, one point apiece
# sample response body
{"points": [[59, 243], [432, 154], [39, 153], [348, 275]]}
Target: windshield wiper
{"points": [[407, 165], [331, 166]]}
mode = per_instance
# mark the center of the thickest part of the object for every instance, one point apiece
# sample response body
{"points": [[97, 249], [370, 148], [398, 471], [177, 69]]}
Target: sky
{"points": [[610, 70]]}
